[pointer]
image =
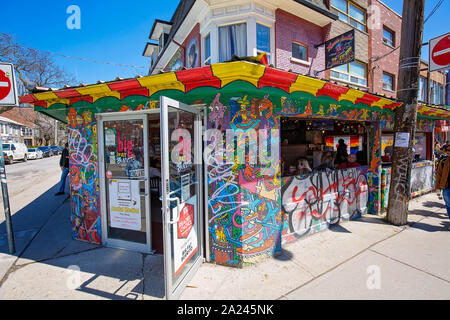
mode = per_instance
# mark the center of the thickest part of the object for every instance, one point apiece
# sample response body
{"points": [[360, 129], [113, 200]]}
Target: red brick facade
{"points": [[389, 64], [290, 28]]}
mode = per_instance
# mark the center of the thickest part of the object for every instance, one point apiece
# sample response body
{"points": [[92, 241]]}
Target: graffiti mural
{"points": [[84, 184], [244, 201], [316, 201]]}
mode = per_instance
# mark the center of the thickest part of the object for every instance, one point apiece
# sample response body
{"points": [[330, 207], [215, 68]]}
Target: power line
{"points": [[434, 10], [78, 58]]}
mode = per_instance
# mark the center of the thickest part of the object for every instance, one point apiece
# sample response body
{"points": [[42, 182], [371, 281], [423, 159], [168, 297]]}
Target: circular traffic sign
{"points": [[441, 52], [5, 85]]}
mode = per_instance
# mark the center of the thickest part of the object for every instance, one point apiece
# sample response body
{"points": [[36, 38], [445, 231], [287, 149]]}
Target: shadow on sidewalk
{"points": [[43, 239]]}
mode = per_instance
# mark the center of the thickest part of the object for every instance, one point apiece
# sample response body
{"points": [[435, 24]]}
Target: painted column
{"points": [[84, 183]]}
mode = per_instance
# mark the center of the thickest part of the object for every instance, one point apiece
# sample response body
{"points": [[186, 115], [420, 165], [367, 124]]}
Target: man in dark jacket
{"points": [[442, 178], [64, 164]]}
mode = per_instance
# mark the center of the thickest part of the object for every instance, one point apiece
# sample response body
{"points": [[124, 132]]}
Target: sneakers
{"points": [[59, 193]]}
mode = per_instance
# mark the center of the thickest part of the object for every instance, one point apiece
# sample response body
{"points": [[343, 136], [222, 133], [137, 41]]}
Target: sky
{"points": [[117, 31]]}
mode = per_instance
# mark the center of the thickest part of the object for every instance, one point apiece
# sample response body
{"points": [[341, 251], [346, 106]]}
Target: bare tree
{"points": [[34, 68]]}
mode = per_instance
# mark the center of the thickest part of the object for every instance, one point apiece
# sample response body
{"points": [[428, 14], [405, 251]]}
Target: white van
{"points": [[15, 151]]}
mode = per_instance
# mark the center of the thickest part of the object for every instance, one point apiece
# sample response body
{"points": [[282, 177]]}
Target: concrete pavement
{"points": [[364, 259]]}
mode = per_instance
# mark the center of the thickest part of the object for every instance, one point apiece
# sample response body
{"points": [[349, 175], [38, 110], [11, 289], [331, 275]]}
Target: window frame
{"points": [[246, 22], [392, 33], [207, 59], [303, 45], [349, 17], [258, 51], [350, 75], [393, 81]]}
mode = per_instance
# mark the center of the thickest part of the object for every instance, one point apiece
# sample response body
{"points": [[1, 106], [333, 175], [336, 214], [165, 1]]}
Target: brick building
{"points": [[206, 32]]}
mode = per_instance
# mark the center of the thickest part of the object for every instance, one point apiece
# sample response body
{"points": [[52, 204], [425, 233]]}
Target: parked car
{"points": [[47, 152], [56, 150], [34, 153], [14, 152]]}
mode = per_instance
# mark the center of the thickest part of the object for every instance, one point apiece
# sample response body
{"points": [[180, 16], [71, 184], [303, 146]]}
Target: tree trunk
{"points": [[406, 115]]}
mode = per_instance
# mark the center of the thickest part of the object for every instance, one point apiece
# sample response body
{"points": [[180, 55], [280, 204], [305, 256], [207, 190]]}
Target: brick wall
{"points": [[290, 28], [378, 48], [339, 27]]}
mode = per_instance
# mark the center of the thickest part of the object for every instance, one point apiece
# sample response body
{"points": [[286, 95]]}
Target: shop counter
{"points": [[422, 181]]}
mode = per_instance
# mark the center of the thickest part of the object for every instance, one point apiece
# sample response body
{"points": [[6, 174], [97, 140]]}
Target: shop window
{"points": [[299, 51], [354, 72], [388, 81], [388, 36], [350, 13], [207, 48], [232, 41], [263, 40]]}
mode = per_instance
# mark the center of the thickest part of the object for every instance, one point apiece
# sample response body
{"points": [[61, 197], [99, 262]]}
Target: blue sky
{"points": [[117, 31]]}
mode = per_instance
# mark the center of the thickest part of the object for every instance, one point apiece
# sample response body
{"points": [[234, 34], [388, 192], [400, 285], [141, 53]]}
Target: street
{"points": [[28, 180]]}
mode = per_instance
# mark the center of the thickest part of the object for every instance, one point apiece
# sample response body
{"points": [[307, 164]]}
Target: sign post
{"points": [[8, 97], [440, 53], [8, 87]]}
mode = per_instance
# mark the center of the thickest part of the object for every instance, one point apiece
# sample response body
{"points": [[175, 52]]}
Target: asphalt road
{"points": [[28, 180]]}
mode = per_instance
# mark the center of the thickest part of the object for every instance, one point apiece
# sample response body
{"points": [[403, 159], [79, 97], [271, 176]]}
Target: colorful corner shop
{"points": [[230, 212]]}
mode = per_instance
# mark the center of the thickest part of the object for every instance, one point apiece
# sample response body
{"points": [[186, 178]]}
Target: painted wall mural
{"points": [[84, 183], [244, 209], [422, 180], [314, 202]]}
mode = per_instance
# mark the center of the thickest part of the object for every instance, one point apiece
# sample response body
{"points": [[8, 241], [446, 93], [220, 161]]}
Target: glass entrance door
{"points": [[181, 193], [125, 185]]}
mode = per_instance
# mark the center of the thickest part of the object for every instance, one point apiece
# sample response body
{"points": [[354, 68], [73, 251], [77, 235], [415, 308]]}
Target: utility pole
{"points": [[56, 132], [406, 115]]}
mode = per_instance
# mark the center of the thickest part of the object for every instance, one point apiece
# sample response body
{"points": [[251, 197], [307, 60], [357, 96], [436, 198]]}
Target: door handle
{"points": [[178, 212]]}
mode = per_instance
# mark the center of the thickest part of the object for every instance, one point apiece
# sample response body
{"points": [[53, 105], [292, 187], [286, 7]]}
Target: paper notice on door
{"points": [[110, 138], [124, 204], [402, 139]]}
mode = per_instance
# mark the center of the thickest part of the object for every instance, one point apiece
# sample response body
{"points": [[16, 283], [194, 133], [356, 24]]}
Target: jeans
{"points": [[62, 182], [446, 196]]}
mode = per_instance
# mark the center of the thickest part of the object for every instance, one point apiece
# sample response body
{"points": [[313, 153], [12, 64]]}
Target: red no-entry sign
{"points": [[8, 89], [440, 53]]}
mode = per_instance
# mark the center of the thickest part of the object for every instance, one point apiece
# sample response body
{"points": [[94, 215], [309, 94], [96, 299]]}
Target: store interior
{"points": [[316, 139]]}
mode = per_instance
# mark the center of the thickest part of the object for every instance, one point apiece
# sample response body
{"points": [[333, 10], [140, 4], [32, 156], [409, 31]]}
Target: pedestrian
{"points": [[442, 178], [350, 163], [303, 166], [64, 164], [341, 152]]}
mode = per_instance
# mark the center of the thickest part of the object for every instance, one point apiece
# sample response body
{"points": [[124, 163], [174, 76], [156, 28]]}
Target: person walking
{"points": [[64, 164], [442, 179]]}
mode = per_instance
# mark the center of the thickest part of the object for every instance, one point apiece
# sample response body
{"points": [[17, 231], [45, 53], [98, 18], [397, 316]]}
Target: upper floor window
{"points": [[263, 40], [388, 36], [349, 12], [162, 41], [207, 48], [388, 81], [437, 93], [422, 94], [353, 72], [299, 51], [232, 41]]}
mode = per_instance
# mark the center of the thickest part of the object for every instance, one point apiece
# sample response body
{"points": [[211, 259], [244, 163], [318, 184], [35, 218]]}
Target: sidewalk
{"points": [[364, 259]]}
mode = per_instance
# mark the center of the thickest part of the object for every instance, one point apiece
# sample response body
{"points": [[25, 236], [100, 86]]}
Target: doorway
{"points": [[150, 165]]}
